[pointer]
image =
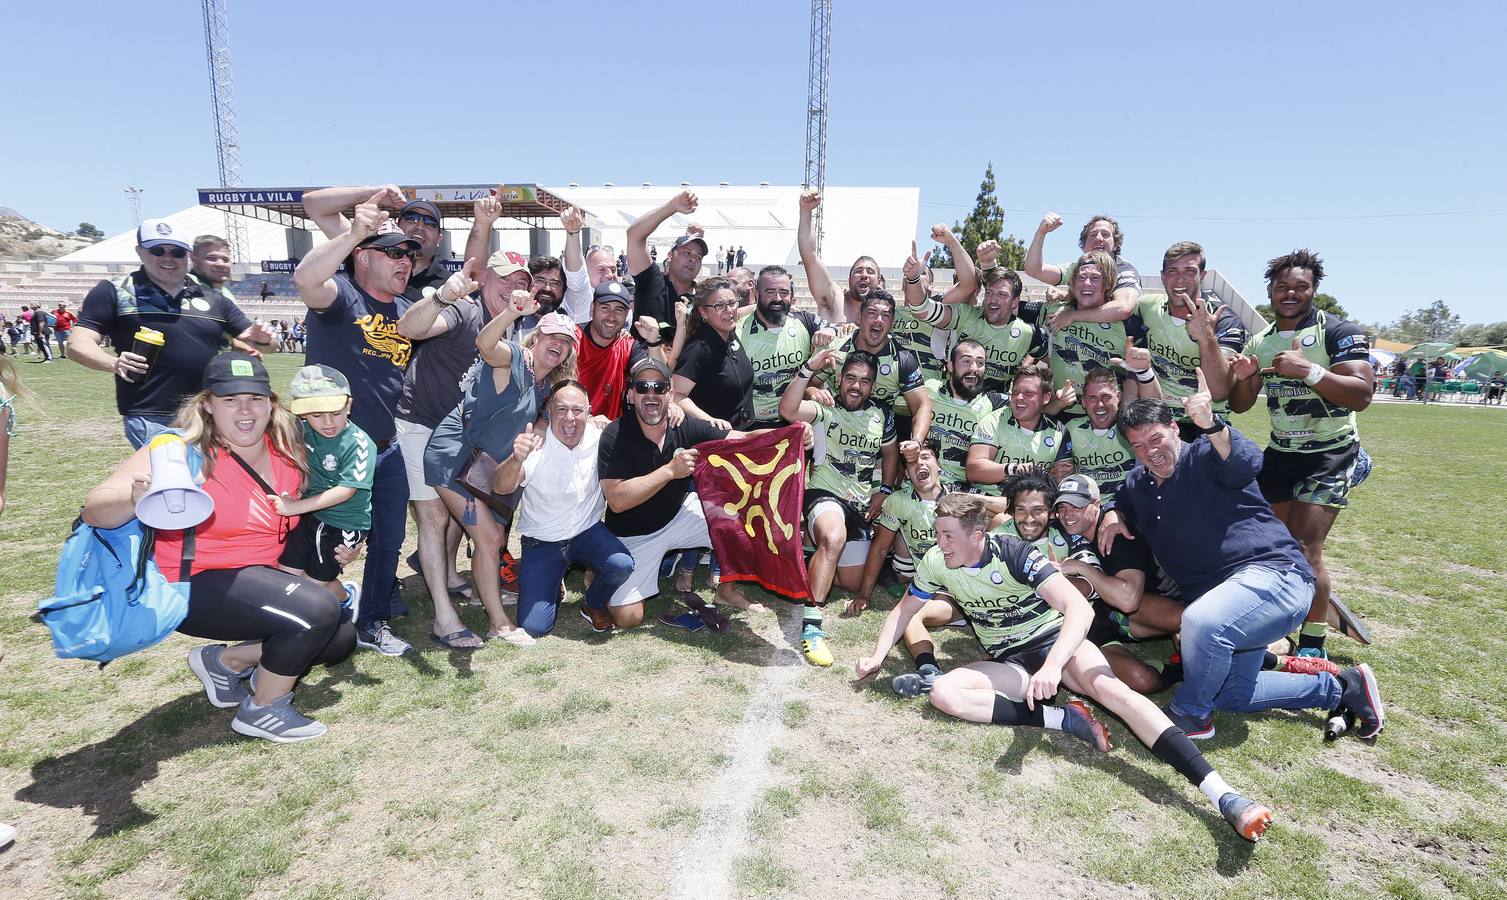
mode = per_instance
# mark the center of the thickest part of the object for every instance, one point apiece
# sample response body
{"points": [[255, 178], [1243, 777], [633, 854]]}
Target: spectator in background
{"points": [[742, 281], [729, 258], [40, 332], [353, 328], [266, 291], [622, 264], [160, 296], [63, 322], [211, 261], [740, 256], [721, 257]]}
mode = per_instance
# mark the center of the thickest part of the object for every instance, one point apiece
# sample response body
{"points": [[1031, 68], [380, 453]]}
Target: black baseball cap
{"points": [[648, 362], [233, 373], [690, 239], [388, 239], [611, 292], [421, 206]]}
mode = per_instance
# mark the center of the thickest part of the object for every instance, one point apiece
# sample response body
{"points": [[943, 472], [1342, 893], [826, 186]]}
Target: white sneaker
{"points": [[352, 604], [381, 639]]}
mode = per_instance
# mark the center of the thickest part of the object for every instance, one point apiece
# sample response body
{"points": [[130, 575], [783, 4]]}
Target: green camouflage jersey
{"points": [[913, 517], [847, 450], [1174, 355], [1302, 421], [775, 354], [998, 596], [1082, 346], [953, 423], [349, 459], [928, 343], [1006, 345], [1103, 456], [1058, 545], [898, 372], [1043, 445]]}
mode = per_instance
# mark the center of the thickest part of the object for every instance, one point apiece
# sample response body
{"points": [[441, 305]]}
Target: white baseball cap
{"points": [[154, 232]]}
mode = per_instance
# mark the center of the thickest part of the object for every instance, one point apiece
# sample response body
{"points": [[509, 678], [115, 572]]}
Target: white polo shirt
{"points": [[561, 494]]}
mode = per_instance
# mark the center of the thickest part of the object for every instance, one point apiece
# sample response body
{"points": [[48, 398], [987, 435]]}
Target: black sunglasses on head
{"points": [[654, 387], [174, 252], [395, 252]]}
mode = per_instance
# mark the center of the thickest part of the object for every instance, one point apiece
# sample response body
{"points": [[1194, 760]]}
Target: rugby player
{"points": [[1317, 372], [929, 343], [1082, 345], [1031, 623], [832, 304], [898, 384], [778, 340], [851, 438], [1100, 233], [958, 404], [1010, 441]]}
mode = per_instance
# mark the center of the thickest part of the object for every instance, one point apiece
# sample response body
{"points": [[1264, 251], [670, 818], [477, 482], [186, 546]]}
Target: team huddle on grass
{"points": [[1056, 475]]}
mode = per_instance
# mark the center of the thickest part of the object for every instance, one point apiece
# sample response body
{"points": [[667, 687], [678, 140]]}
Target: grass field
{"points": [[587, 766]]}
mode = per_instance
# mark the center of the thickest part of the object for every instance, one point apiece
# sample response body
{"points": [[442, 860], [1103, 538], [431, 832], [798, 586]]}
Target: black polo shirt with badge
{"points": [[722, 373], [434, 276], [654, 295], [195, 325], [624, 452]]}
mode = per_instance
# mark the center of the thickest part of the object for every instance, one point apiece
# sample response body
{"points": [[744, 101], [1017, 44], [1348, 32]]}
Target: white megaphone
{"points": [[173, 501]]}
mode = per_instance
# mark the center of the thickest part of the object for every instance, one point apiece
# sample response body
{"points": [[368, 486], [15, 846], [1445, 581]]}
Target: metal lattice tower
{"points": [[222, 97], [135, 193], [816, 106]]}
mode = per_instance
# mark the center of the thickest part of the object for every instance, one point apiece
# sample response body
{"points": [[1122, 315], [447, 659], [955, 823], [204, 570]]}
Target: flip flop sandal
{"points": [[687, 620], [448, 641], [708, 613]]}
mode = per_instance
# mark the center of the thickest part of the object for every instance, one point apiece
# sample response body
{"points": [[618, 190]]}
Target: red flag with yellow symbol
{"points": [[752, 491]]}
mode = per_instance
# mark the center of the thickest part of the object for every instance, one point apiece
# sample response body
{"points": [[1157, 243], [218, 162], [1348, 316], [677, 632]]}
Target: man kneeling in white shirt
{"points": [[560, 515]]}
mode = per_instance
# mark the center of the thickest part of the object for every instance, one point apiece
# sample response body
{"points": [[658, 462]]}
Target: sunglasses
{"points": [[431, 221], [395, 252], [651, 387], [174, 252]]}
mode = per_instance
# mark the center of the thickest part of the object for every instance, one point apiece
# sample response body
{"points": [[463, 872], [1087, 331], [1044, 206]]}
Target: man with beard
{"points": [[645, 465], [852, 437], [1007, 339], [1245, 579], [742, 281], [958, 404], [353, 328], [863, 276], [656, 290], [1101, 233], [777, 340], [1031, 623], [605, 352], [1186, 329], [160, 296], [1317, 375], [419, 219], [897, 383], [1018, 438]]}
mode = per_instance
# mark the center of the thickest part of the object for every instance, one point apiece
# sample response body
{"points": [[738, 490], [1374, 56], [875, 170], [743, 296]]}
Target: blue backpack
{"points": [[110, 598]]}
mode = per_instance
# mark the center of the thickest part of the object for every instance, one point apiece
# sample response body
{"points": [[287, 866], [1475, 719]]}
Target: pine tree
{"points": [[985, 223]]}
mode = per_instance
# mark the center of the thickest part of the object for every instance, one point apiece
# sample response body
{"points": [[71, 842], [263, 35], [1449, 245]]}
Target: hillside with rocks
{"points": [[21, 238]]}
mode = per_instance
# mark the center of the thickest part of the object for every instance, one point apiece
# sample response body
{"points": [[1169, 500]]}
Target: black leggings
{"points": [[298, 627]]}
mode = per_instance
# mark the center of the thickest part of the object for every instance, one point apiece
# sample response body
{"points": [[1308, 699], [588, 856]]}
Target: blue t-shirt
{"points": [[358, 335]]}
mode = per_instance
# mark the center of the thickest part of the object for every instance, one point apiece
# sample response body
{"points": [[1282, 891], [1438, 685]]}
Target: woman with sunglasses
{"points": [[504, 395], [285, 625]]}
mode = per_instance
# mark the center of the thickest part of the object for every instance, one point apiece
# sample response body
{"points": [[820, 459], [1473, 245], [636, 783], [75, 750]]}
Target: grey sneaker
{"points": [[381, 639], [222, 685], [278, 721]]}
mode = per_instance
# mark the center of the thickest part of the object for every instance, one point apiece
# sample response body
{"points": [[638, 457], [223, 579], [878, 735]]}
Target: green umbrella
{"points": [[1430, 350], [1485, 364]]}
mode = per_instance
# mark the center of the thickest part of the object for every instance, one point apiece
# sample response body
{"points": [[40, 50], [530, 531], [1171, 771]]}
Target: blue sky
{"points": [[1374, 134]]}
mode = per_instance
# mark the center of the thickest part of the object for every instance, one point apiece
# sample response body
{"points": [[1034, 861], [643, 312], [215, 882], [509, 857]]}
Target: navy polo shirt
{"points": [[358, 336], [1209, 520]]}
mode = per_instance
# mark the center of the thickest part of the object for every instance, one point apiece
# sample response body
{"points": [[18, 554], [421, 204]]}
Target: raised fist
{"points": [[941, 233], [571, 220], [1049, 223], [810, 200], [685, 202]]}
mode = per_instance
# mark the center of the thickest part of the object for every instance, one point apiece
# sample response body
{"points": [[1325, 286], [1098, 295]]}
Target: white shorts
{"points": [[412, 438], [854, 552], [686, 530]]}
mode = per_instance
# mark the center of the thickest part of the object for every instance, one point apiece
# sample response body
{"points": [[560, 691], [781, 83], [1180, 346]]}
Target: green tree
{"points": [[1434, 322], [1482, 334], [1325, 302], [985, 223], [89, 230]]}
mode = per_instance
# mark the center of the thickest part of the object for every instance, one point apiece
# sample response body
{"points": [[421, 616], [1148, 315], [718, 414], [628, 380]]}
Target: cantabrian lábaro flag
{"points": [[752, 491]]}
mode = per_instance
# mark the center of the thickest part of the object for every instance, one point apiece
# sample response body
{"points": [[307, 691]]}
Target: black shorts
{"points": [[1321, 478], [1110, 626], [311, 548], [858, 526], [1030, 656]]}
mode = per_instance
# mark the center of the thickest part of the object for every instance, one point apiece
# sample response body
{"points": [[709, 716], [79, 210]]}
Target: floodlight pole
{"points": [[816, 106], [222, 98], [135, 193]]}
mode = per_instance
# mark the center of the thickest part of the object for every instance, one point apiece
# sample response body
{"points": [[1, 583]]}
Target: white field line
{"points": [[705, 865]]}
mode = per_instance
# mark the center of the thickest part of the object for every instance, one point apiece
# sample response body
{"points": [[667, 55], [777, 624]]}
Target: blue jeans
{"points": [[379, 580], [140, 429], [543, 566], [1225, 633]]}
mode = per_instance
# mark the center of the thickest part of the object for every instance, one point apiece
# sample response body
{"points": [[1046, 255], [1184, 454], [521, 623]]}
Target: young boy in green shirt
{"points": [[337, 505]]}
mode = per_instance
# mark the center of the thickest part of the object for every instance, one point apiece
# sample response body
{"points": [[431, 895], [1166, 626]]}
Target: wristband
{"points": [[1145, 376], [805, 372], [886, 489], [574, 233], [1217, 427], [658, 343], [1315, 374], [916, 280]]}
